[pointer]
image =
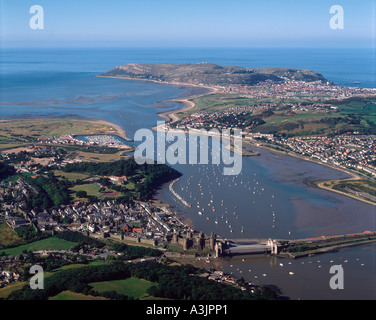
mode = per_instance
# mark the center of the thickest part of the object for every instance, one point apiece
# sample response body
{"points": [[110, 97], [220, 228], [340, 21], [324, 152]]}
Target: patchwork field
{"points": [[131, 287], [45, 244], [357, 114], [8, 236]]}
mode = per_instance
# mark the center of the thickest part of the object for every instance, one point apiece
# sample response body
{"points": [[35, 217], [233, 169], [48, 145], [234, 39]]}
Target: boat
{"points": [[242, 230], [291, 273], [200, 213]]}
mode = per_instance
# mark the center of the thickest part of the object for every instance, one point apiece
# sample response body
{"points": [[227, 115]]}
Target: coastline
{"points": [[170, 116], [122, 133], [116, 129], [319, 183], [188, 104]]}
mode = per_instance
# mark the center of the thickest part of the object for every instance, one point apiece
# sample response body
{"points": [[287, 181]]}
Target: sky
{"points": [[193, 23]]}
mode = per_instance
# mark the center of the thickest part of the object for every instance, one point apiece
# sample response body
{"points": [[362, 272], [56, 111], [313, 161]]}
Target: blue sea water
{"points": [[46, 78]]}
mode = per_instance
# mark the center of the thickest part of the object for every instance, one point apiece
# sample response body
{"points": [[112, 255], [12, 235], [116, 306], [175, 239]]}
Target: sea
{"points": [[272, 197]]}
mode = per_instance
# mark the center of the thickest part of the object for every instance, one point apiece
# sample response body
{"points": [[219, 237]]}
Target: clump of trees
{"points": [[302, 248], [51, 192], [6, 170], [78, 237], [134, 252], [149, 176]]}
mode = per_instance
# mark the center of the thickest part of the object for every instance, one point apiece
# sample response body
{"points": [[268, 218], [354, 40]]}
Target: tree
{"points": [[81, 194]]}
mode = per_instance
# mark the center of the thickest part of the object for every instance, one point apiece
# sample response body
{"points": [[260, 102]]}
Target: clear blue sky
{"points": [[298, 23]]}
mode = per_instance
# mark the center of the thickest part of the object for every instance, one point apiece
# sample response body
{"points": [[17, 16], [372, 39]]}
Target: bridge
{"points": [[250, 246]]}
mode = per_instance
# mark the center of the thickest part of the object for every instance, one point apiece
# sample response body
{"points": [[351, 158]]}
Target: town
{"points": [[351, 151], [315, 91], [147, 223]]}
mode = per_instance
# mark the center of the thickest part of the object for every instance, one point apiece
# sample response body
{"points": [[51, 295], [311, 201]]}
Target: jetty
{"points": [[176, 194]]}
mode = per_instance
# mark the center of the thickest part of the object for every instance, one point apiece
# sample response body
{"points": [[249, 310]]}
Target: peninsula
{"points": [[210, 74]]}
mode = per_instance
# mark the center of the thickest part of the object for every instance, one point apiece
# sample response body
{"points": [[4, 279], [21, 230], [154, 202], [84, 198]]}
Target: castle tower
{"points": [[212, 240], [218, 249], [185, 243], [175, 237]]}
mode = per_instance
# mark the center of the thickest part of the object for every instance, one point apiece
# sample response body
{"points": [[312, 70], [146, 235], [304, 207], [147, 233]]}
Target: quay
{"points": [[177, 195]]}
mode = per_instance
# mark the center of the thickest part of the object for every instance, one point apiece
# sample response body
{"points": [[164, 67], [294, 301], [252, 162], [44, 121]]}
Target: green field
{"points": [[69, 295], [130, 287], [5, 292], [71, 176], [91, 189], [73, 266], [45, 244], [99, 157], [6, 146]]}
